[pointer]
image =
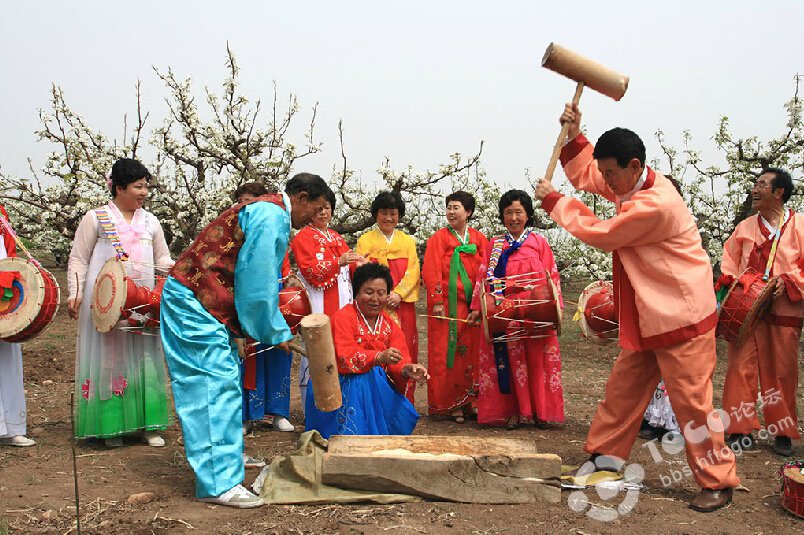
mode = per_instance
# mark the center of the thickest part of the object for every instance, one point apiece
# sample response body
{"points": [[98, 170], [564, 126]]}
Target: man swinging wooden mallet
{"points": [[661, 274]]}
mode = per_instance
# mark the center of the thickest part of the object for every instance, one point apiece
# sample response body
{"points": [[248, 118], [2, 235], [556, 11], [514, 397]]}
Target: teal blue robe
{"points": [[202, 355]]}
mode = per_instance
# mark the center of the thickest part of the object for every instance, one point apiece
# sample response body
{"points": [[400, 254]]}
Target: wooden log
{"points": [[321, 355], [460, 469], [462, 445]]}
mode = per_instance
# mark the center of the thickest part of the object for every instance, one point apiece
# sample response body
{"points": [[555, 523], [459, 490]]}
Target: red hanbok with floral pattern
{"points": [[452, 363]]}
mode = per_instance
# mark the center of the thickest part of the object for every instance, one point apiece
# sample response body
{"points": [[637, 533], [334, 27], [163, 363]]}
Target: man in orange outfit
{"points": [[667, 318], [773, 347]]}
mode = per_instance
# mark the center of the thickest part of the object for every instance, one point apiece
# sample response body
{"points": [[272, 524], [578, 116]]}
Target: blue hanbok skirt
{"points": [[371, 406], [272, 395]]}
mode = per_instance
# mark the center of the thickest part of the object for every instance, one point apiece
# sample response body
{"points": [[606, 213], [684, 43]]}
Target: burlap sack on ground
{"points": [[296, 479]]}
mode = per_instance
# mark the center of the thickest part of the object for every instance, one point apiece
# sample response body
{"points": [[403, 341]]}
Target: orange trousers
{"points": [[772, 351], [687, 370]]}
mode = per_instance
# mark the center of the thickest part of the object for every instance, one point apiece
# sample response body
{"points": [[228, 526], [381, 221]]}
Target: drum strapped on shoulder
{"points": [[528, 308], [747, 301], [294, 304], [597, 315], [118, 301], [30, 302], [29, 297]]}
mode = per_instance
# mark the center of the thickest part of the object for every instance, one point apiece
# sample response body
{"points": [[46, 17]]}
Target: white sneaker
{"points": [[252, 462], [238, 497], [282, 424], [153, 438], [21, 441]]}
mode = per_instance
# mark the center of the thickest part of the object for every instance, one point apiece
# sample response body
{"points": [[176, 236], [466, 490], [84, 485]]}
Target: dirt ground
{"points": [[37, 496]]}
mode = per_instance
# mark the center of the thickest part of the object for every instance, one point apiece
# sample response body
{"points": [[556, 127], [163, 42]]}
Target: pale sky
{"points": [[414, 80]]}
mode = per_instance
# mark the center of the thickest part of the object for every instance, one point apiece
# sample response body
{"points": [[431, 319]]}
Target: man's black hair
{"points": [[781, 179], [621, 144], [313, 185]]}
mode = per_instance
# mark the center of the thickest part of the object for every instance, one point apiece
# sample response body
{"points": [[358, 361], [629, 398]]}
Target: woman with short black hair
{"points": [[325, 262], [520, 379], [391, 247], [374, 365], [120, 382], [451, 262]]}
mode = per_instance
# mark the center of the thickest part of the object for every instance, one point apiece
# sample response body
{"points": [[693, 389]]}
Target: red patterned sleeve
{"points": [[319, 268]]}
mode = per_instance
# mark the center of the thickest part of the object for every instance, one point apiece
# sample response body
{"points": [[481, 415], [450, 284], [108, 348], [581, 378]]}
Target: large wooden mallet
{"points": [[587, 73], [317, 336]]}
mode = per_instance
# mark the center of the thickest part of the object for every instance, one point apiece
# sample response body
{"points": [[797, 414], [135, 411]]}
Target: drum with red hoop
{"points": [[598, 317], [747, 302], [294, 304], [29, 299], [793, 488], [529, 308], [116, 297]]}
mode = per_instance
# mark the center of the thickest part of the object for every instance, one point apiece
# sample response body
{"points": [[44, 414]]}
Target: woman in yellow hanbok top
{"points": [[389, 246]]}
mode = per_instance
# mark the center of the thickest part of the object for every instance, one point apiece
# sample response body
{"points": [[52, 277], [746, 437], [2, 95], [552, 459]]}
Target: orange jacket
{"points": [[788, 263], [662, 275]]}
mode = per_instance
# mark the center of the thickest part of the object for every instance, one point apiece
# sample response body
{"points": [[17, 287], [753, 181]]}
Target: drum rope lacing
{"points": [[530, 326]]}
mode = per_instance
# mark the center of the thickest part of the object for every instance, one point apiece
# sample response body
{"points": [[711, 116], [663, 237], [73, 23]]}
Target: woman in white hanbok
{"points": [[120, 380]]}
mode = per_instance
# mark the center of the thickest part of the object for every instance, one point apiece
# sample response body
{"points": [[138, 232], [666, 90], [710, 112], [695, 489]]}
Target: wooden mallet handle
{"points": [[562, 137]]}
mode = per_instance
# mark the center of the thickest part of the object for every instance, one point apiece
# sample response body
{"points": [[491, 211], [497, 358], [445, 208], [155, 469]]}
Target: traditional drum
{"points": [[33, 301], [294, 304], [528, 309], [747, 302], [116, 297], [793, 488], [597, 315]]}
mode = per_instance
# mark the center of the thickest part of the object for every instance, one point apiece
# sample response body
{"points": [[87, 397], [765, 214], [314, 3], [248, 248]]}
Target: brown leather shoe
{"points": [[711, 500]]}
